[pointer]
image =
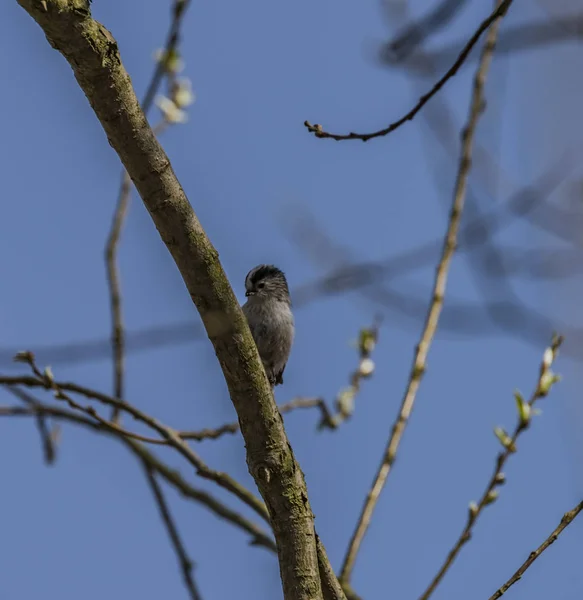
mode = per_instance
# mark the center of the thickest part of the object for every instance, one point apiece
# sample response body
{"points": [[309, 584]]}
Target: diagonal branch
{"points": [[499, 12], [169, 435], [259, 537], [124, 195], [545, 381], [567, 519], [435, 308], [185, 563], [48, 436], [115, 297]]}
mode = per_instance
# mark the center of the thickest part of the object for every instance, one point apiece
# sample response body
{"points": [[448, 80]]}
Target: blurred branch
{"points": [[545, 381], [350, 274], [399, 51], [422, 350], [498, 13], [124, 195], [185, 562], [418, 31], [259, 537], [567, 519], [179, 9]]}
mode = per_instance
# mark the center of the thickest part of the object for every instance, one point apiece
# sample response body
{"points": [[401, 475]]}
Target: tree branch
{"points": [[169, 435], [544, 383], [567, 519], [186, 565], [499, 12], [435, 308], [93, 55], [259, 537], [124, 196]]}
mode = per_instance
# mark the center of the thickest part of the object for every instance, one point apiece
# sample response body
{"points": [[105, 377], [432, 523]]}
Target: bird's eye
{"points": [[260, 286]]}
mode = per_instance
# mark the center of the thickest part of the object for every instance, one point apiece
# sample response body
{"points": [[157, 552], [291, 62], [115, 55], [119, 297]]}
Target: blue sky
{"points": [[88, 525]]}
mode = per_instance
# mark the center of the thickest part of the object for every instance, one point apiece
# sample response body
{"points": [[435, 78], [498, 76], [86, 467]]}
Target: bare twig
{"points": [[212, 434], [259, 537], [45, 380], [567, 519], [499, 12], [344, 401], [111, 248], [544, 383], [113, 280], [186, 564], [436, 305], [344, 404], [48, 436], [172, 41]]}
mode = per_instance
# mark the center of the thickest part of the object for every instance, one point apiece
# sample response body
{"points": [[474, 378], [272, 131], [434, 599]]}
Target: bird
{"points": [[270, 318]]}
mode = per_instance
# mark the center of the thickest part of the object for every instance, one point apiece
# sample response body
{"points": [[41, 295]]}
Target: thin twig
{"points": [[344, 401], [186, 564], [172, 40], [170, 435], [212, 434], [544, 383], [567, 519], [344, 404], [124, 195], [259, 537], [113, 281], [499, 12], [435, 308], [48, 436]]}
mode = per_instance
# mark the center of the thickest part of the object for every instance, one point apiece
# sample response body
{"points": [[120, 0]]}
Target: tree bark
{"points": [[93, 55]]}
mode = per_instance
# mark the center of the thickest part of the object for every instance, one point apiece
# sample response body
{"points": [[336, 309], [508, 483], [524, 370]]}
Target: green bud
{"points": [[345, 401], [24, 356], [491, 497], [504, 439], [366, 341], [524, 408], [547, 380], [48, 376]]}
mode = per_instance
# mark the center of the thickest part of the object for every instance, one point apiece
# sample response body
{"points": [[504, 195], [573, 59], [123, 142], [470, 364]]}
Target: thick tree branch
{"points": [[93, 55]]}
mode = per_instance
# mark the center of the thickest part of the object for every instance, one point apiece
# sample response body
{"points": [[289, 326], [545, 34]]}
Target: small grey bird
{"points": [[268, 312]]}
